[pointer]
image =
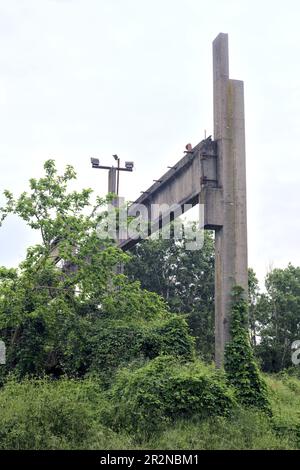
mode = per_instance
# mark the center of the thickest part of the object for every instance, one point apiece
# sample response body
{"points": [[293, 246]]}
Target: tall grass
{"points": [[244, 430], [68, 414], [63, 414]]}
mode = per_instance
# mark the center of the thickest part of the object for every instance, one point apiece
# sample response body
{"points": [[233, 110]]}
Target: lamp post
{"points": [[118, 173], [113, 174], [113, 187]]}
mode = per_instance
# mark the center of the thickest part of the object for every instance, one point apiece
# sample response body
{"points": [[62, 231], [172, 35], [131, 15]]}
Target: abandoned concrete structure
{"points": [[213, 173]]}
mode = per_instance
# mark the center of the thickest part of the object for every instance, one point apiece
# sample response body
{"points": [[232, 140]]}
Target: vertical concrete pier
{"points": [[231, 264]]}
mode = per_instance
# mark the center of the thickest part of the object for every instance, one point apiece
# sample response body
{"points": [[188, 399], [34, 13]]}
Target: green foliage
{"points": [[243, 430], [278, 318], [285, 401], [184, 278], [74, 339], [115, 343], [47, 314], [146, 399], [128, 301], [171, 337], [43, 414], [71, 414], [253, 296], [240, 365], [87, 320]]}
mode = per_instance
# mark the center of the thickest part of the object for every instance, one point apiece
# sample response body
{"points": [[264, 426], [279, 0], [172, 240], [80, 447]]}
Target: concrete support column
{"points": [[112, 180], [230, 237]]}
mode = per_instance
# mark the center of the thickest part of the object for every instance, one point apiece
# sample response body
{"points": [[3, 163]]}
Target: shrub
{"points": [[115, 343], [169, 337], [145, 399], [62, 414]]}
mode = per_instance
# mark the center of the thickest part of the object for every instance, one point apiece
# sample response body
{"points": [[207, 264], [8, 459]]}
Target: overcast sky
{"points": [[82, 78]]}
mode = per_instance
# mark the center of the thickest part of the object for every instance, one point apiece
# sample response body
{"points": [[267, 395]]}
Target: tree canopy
{"points": [[73, 316]]}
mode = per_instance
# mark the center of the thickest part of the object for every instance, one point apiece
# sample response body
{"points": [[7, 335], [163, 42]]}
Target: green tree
{"points": [[278, 314], [41, 305], [52, 317], [184, 278], [253, 294]]}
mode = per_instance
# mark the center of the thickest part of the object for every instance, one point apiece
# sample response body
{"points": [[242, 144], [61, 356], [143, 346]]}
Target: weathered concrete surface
{"points": [[112, 180], [179, 186], [231, 265], [2, 353]]}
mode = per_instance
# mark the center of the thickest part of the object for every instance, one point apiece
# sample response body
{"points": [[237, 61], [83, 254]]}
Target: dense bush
{"points": [[103, 338], [71, 414], [145, 399], [117, 342], [63, 414], [72, 338]]}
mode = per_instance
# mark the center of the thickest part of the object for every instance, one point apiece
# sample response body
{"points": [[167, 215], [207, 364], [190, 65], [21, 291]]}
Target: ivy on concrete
{"points": [[240, 364]]}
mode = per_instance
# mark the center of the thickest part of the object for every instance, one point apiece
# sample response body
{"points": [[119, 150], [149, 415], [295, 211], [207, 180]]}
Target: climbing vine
{"points": [[240, 365]]}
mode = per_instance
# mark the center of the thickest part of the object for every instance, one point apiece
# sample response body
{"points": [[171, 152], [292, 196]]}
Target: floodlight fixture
{"points": [[95, 162], [114, 172], [129, 165]]}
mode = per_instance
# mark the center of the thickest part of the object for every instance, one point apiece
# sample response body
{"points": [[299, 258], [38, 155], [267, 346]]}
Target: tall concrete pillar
{"points": [[231, 265], [112, 180]]}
